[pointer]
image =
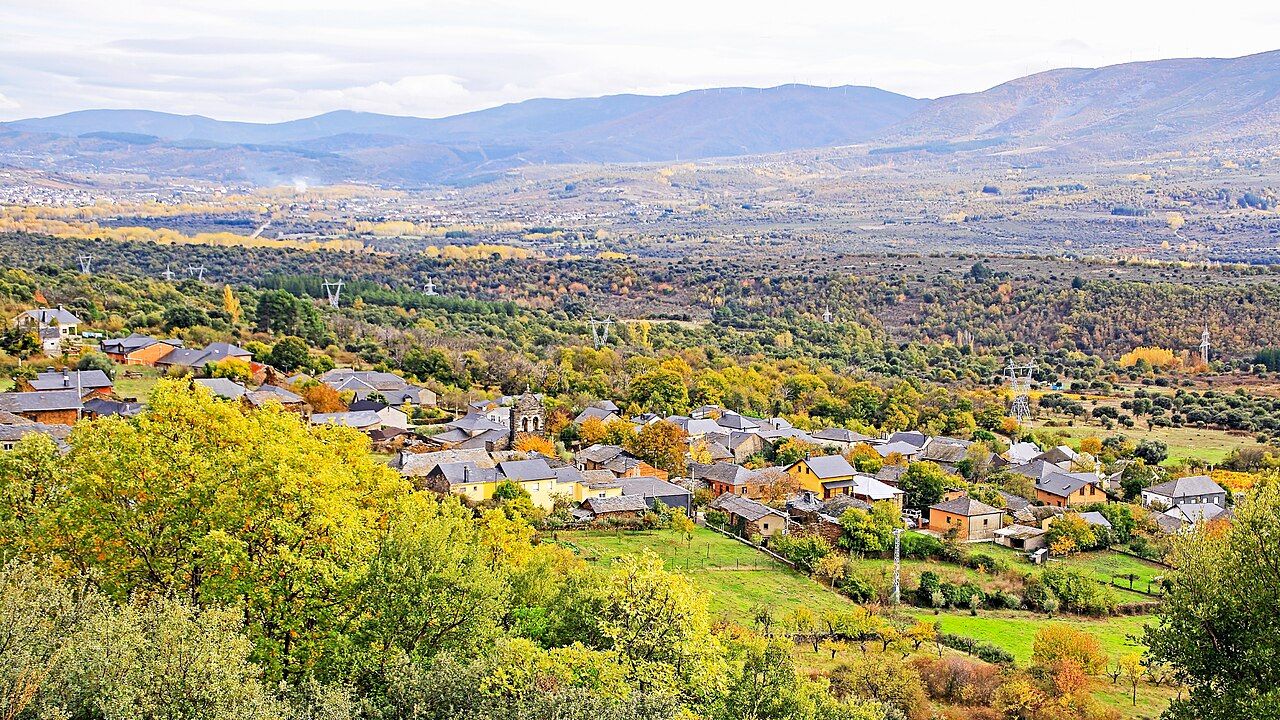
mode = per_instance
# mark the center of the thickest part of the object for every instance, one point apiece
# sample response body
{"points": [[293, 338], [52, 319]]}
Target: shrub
{"points": [[1080, 593]]}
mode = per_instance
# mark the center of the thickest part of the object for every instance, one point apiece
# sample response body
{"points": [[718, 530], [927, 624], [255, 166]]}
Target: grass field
{"points": [[1106, 565], [1204, 446], [737, 577], [1015, 631], [139, 388]]}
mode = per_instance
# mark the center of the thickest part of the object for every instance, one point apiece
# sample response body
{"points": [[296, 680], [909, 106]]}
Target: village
{"points": [[756, 478]]}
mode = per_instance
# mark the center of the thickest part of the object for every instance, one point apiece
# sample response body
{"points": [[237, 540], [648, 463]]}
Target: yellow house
{"points": [[829, 475], [470, 479]]}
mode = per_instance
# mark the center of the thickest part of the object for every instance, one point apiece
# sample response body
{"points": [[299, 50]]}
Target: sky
{"points": [[272, 60]]}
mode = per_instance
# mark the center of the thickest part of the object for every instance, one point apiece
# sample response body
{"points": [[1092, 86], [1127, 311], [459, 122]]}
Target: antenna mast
{"points": [[333, 289]]}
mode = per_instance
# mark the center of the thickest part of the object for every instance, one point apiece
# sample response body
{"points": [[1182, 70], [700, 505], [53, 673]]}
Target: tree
{"points": [[870, 531], [321, 397], [289, 354], [789, 451], [199, 499], [231, 305], [535, 443], [593, 431], [1137, 476], [232, 368], [97, 361], [19, 342], [1131, 668], [1056, 642], [1217, 621], [924, 483], [662, 444], [659, 390], [1152, 452], [1073, 529]]}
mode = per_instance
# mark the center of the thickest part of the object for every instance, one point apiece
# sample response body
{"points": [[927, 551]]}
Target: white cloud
{"points": [[255, 60]]}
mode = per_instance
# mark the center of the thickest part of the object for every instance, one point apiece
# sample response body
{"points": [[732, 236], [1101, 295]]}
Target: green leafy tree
{"points": [[289, 354], [924, 483], [1217, 623], [660, 390]]}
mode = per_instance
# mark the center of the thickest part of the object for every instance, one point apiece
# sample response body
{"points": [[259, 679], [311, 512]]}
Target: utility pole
{"points": [[897, 566]]}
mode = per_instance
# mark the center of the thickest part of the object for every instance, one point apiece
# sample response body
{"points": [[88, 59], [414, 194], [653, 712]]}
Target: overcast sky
{"points": [[269, 60]]}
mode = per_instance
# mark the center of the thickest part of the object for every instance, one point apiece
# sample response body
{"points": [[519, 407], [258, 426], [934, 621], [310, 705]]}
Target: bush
{"points": [[1080, 593], [981, 650], [856, 588], [920, 547]]}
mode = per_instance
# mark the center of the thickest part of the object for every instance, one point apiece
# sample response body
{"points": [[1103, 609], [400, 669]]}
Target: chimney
{"points": [[466, 473], [66, 379]]}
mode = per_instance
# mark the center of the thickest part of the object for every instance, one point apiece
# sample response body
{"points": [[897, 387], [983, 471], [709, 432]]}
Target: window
{"points": [[766, 526], [985, 521], [535, 487], [601, 494]]}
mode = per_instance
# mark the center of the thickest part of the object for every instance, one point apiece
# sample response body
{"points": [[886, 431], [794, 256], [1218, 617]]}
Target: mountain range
{"points": [[1114, 111]]}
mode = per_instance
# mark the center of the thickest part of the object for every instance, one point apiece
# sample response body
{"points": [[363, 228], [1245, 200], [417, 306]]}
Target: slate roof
{"points": [[223, 387], [842, 435], [966, 506], [619, 503], [734, 421], [829, 466], [200, 357], [135, 341], [14, 433], [339, 377], [49, 316], [600, 414], [1022, 532], [649, 487], [1198, 512], [466, 472], [421, 464], [74, 379], [836, 506], [1013, 503], [898, 446], [943, 452], [268, 393], [1064, 484], [522, 470], [721, 472], [1187, 487], [40, 401], [103, 407], [599, 478], [910, 437], [599, 453], [1037, 469], [1096, 518], [360, 420], [744, 507]]}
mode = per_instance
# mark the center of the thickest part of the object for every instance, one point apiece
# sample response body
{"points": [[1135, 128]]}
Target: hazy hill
{"points": [[697, 124], [1163, 104], [1114, 111]]}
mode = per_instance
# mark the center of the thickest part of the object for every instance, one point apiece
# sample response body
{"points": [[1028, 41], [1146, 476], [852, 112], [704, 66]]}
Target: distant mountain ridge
{"points": [[1112, 111], [616, 128]]}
